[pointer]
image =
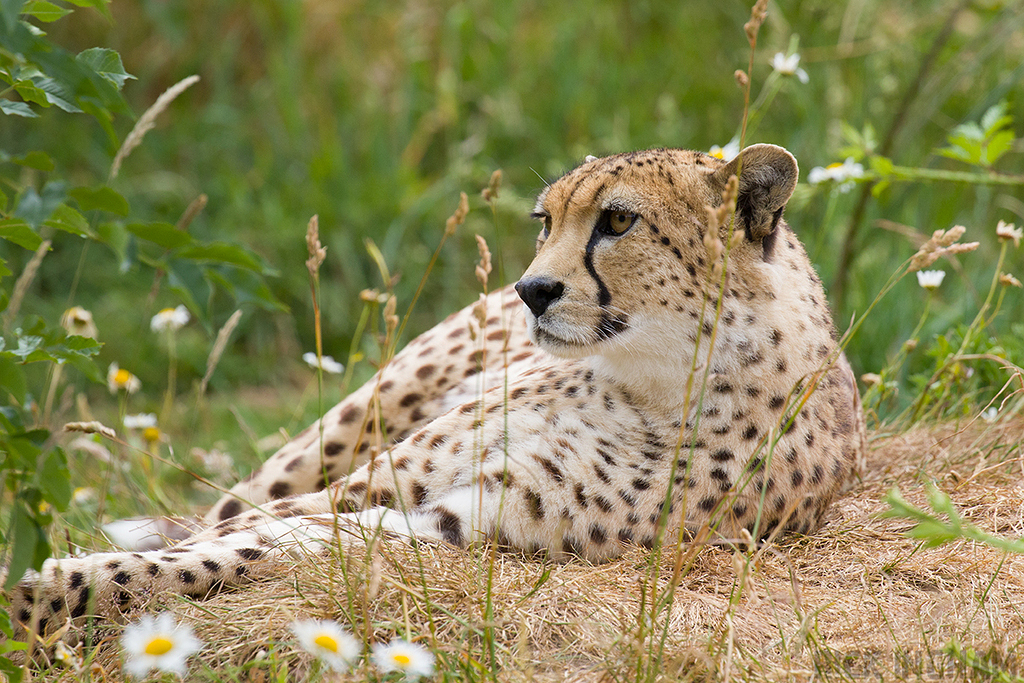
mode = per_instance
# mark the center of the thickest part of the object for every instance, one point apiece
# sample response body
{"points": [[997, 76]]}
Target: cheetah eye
{"points": [[614, 222], [546, 220]]}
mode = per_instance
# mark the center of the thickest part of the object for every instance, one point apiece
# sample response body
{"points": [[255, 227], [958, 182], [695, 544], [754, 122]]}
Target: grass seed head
{"points": [[317, 252], [459, 217]]}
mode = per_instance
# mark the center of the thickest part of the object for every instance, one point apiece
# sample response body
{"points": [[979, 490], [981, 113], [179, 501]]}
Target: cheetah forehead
{"points": [[629, 181]]}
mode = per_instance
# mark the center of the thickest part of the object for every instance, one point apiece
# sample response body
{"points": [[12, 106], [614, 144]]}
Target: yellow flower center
{"points": [[327, 642], [834, 166], [151, 434], [122, 377], [718, 154], [166, 311], [402, 659], [159, 646]]}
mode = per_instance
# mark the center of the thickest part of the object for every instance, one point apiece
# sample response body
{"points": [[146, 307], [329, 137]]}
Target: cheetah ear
{"points": [[767, 175]]}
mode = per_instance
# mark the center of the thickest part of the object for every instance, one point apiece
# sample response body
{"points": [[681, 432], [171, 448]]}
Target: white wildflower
{"points": [[789, 66], [77, 320], [398, 655], [727, 153], [119, 378], [158, 643], [83, 495], [844, 174], [170, 319], [327, 363], [140, 421], [930, 279], [329, 642], [990, 414]]}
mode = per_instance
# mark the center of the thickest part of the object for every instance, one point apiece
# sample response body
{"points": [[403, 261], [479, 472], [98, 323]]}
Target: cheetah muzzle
{"points": [[630, 394]]}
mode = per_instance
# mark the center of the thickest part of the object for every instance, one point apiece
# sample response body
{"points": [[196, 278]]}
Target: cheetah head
{"points": [[621, 263]]}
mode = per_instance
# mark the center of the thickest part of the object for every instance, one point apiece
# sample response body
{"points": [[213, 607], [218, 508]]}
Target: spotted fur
{"points": [[594, 417]]}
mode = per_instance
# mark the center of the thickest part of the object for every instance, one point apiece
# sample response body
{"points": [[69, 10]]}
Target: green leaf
{"points": [[994, 118], [57, 93], [12, 379], [17, 109], [30, 93], [18, 231], [67, 219], [100, 5], [35, 207], [162, 234], [100, 198], [23, 550], [997, 146], [54, 479], [44, 11], [37, 160], [4, 272], [220, 252], [106, 63]]}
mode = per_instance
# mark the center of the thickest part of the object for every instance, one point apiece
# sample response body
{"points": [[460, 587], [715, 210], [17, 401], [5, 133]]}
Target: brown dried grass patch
{"points": [[855, 599]]}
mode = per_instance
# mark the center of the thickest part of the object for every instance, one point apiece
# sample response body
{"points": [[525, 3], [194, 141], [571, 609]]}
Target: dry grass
{"points": [[856, 599]]}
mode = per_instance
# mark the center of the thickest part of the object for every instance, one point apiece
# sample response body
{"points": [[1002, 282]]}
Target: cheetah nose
{"points": [[539, 292]]}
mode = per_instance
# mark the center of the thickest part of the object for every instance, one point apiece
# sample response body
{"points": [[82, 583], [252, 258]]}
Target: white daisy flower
{"points": [[990, 414], [140, 421], [930, 279], [83, 495], [66, 656], [119, 378], [158, 644], [844, 174], [170, 319], [328, 365], [328, 641], [727, 153], [398, 655], [77, 320], [1008, 231], [789, 66]]}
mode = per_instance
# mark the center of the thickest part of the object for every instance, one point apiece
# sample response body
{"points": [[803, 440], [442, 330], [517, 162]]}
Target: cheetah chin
{"points": [[567, 421]]}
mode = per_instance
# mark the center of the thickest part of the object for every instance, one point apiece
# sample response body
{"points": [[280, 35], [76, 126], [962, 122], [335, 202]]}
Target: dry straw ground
{"points": [[857, 599]]}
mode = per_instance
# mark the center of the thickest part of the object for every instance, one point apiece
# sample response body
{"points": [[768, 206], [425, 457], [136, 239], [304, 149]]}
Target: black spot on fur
{"points": [[449, 526], [534, 505], [122, 578], [230, 509], [250, 554]]}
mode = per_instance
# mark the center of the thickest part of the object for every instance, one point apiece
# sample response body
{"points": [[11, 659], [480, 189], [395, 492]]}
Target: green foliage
{"points": [[983, 143], [45, 204], [945, 525]]}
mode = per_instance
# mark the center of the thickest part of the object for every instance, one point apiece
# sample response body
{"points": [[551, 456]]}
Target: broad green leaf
{"points": [[21, 233], [107, 63], [114, 235], [186, 279], [997, 146], [67, 219], [220, 252], [12, 379], [162, 234], [994, 118], [35, 207], [45, 11], [31, 93], [100, 5], [100, 198], [26, 537], [4, 272], [54, 479], [17, 109], [57, 93], [37, 160]]}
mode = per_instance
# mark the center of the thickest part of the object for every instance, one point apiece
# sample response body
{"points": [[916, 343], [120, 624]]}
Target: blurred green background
{"points": [[374, 115]]}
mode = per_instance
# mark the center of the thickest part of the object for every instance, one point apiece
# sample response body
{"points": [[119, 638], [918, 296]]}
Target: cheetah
{"points": [[632, 384]]}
